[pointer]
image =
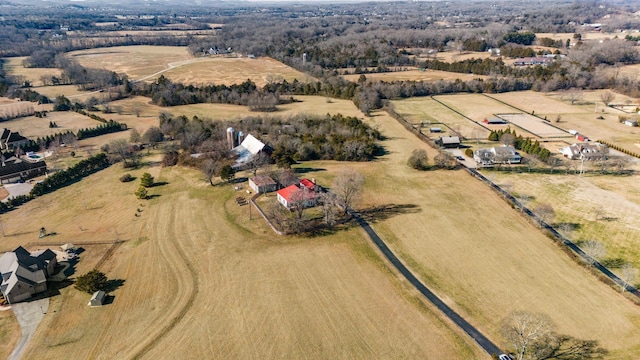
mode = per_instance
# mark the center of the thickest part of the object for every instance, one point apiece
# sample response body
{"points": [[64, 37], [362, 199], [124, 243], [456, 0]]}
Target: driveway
{"points": [[29, 315], [467, 162], [18, 189]]}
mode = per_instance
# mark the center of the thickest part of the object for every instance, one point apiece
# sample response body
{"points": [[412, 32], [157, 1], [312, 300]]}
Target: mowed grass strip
{"points": [[198, 282], [483, 258]]}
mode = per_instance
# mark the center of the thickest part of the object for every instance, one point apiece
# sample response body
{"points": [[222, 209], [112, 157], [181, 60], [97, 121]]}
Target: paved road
{"points": [[482, 340], [29, 315]]}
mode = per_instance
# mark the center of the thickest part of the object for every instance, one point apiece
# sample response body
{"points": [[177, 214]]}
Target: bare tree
{"points": [[573, 95], [545, 212], [607, 97], [629, 275], [209, 168], [134, 136], [565, 347], [522, 329], [328, 203], [121, 150], [621, 164], [347, 187], [596, 249], [566, 229], [507, 139], [299, 201]]}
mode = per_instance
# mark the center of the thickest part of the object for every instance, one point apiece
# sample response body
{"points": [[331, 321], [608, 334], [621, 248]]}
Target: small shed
{"points": [[97, 299], [632, 123], [435, 130], [494, 121], [262, 184]]}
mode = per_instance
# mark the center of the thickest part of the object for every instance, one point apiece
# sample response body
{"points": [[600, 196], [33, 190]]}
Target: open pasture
{"points": [[193, 256], [483, 258], [33, 127], [434, 114], [135, 61], [534, 125], [603, 208], [228, 71], [416, 75], [69, 91], [14, 67], [586, 35], [11, 108]]}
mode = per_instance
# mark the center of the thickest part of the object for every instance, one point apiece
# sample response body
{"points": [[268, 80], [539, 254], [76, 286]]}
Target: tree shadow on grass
{"points": [[160, 183], [383, 212], [153, 196], [304, 170], [113, 285]]}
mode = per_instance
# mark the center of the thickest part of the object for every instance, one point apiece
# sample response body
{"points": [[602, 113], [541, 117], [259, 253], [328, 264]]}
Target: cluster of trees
{"points": [[522, 38], [110, 127], [509, 137], [74, 173], [91, 115]]}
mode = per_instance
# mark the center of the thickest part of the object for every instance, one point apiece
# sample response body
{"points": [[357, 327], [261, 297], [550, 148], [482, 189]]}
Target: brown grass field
{"points": [[416, 75], [580, 117], [70, 91], [9, 332], [33, 127], [483, 258], [14, 67], [228, 71], [220, 283], [148, 62], [586, 35], [135, 61], [576, 200]]}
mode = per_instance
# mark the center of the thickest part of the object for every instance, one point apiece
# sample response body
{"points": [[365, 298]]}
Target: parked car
{"points": [[504, 357], [459, 158]]}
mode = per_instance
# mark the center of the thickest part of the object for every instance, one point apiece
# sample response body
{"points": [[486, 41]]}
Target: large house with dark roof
{"points": [[25, 274], [10, 140], [14, 170]]}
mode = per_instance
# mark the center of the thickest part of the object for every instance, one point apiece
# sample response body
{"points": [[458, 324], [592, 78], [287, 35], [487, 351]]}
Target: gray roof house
{"points": [[497, 155], [11, 140], [262, 184], [585, 151], [448, 141], [25, 274], [14, 170]]}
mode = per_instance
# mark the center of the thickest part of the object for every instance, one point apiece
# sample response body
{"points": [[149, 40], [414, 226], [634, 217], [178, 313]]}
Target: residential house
{"points": [[10, 140], [585, 151], [262, 184], [497, 155], [306, 191], [15, 170], [448, 141], [533, 61], [25, 274]]}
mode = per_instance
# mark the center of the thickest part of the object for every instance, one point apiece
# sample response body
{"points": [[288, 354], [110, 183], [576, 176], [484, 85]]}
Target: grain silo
{"points": [[231, 138]]}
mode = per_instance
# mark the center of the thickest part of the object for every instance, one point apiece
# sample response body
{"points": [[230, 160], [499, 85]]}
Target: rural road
{"points": [[483, 341], [29, 315]]}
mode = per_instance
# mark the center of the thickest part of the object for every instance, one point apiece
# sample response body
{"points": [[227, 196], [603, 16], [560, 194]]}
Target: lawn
{"points": [[199, 277], [33, 127]]}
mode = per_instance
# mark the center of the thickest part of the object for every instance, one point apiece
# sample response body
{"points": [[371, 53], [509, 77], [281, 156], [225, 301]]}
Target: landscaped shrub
{"points": [[468, 152], [146, 180], [126, 178], [92, 281]]}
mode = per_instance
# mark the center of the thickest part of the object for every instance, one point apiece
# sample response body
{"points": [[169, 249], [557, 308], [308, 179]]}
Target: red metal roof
{"points": [[288, 192], [308, 184]]}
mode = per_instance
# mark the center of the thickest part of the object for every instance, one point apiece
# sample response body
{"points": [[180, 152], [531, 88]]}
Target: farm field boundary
{"points": [[459, 113]]}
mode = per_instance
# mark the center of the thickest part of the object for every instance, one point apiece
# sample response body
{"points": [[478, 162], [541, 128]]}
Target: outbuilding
{"points": [[448, 141], [262, 184], [97, 299]]}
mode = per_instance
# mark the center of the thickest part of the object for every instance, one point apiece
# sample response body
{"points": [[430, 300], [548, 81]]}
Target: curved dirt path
{"points": [[170, 66]]}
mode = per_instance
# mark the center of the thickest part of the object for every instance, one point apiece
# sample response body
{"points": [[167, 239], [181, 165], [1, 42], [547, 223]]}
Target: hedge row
{"points": [[110, 127], [72, 174], [623, 150], [91, 115]]}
